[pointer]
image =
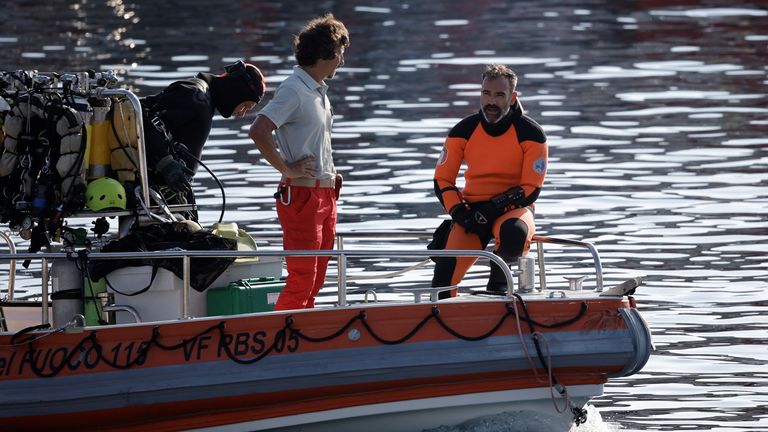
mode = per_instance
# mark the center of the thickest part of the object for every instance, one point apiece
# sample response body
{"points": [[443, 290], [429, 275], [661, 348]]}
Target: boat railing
{"points": [[541, 240], [538, 240], [341, 253], [11, 264], [186, 256]]}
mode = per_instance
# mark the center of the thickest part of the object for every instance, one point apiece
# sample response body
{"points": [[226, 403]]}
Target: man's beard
{"points": [[495, 115]]}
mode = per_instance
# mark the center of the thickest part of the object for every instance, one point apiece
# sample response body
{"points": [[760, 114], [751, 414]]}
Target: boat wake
{"points": [[528, 421]]}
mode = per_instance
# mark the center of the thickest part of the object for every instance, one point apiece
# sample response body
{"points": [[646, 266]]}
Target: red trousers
{"points": [[309, 223]]}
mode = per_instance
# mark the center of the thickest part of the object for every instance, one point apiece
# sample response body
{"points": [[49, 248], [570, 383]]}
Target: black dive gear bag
{"points": [[165, 236]]}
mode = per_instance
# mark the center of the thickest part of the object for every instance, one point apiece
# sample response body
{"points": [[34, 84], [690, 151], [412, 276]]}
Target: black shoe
{"points": [[496, 282]]}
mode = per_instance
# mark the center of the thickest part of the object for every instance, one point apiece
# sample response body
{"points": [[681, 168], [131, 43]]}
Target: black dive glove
{"points": [[175, 174], [462, 215], [476, 218]]}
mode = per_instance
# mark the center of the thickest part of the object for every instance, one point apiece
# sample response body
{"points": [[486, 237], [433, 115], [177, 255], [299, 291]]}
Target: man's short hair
{"points": [[498, 70], [319, 39]]}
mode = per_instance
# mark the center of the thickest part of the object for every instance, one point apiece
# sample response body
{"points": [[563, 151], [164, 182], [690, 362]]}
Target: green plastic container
{"points": [[245, 296]]}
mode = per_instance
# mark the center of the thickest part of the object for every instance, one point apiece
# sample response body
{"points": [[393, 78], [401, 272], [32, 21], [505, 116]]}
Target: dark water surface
{"points": [[657, 119]]}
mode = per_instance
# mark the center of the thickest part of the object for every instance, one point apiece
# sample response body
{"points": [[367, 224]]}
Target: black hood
{"points": [[228, 92]]}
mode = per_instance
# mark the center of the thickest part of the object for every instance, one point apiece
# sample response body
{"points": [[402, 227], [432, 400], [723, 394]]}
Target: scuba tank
{"points": [[59, 188], [72, 134], [66, 291], [70, 165], [123, 142], [42, 168], [12, 127], [24, 145], [4, 108], [98, 149]]}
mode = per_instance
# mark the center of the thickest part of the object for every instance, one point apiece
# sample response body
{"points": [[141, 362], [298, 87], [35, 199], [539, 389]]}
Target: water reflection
{"points": [[656, 118]]}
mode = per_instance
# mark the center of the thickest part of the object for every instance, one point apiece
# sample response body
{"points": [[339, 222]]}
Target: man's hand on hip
{"points": [[304, 167]]}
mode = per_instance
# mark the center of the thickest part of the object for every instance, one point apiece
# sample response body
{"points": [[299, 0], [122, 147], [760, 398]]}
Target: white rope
{"points": [[523, 344], [563, 391]]}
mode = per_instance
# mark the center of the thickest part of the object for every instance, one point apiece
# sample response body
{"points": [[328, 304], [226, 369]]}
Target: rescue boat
{"points": [[387, 356], [389, 365]]}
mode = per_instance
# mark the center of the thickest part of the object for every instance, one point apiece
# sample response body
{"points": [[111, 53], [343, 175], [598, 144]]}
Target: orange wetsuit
{"points": [[509, 153]]}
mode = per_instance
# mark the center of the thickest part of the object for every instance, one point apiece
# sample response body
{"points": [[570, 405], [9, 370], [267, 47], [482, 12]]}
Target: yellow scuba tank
{"points": [[123, 142], [97, 149]]}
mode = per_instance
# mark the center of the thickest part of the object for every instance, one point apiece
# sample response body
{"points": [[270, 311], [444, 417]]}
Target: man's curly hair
{"points": [[319, 39]]}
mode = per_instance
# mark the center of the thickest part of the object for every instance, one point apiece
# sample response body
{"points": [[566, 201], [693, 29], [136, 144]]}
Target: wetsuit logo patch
{"points": [[443, 156], [540, 165]]}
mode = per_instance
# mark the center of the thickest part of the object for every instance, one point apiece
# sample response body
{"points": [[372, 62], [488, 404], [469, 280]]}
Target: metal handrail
{"points": [[340, 253], [539, 240], [11, 265], [186, 256]]}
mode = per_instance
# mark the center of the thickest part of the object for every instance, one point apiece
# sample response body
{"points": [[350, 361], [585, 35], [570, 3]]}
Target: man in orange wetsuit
{"points": [[505, 152]]}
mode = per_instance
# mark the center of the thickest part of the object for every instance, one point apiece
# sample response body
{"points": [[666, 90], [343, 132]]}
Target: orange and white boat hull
{"points": [[406, 362]]}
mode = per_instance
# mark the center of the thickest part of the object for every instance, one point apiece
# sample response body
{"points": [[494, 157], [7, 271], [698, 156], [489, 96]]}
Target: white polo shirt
{"points": [[302, 113]]}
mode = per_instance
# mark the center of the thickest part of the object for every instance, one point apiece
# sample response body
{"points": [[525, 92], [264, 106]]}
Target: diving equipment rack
{"points": [[80, 88]]}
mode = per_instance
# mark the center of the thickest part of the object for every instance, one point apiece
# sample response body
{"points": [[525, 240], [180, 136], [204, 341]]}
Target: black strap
{"points": [[151, 280]]}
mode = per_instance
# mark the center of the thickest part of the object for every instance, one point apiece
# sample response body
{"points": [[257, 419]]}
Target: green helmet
{"points": [[105, 193]]}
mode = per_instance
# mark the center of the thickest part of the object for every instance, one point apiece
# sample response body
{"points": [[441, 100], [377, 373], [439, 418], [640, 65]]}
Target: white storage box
{"points": [[163, 300]]}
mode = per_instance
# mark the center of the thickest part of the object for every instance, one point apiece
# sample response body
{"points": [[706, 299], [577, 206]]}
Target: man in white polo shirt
{"points": [[300, 115]]}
